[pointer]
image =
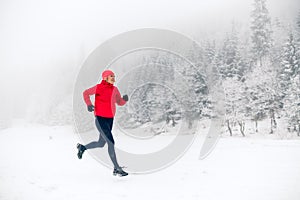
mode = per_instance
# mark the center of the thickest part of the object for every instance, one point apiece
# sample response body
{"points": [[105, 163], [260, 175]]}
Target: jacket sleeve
{"points": [[87, 93], [119, 100]]}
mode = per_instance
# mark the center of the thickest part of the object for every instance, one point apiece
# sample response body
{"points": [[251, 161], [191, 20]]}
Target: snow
{"points": [[40, 162]]}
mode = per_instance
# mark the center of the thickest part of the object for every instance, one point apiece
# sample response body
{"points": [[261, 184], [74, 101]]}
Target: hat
{"points": [[107, 73]]}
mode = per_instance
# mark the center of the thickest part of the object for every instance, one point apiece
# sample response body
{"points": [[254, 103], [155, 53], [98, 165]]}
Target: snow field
{"points": [[39, 162]]}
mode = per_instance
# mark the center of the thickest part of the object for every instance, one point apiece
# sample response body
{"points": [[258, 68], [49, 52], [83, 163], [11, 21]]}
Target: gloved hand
{"points": [[125, 97], [90, 108]]}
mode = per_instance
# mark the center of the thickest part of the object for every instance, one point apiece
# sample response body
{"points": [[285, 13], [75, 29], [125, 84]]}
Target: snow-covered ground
{"points": [[40, 162]]}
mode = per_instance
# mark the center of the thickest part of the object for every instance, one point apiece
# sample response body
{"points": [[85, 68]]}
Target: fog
{"points": [[45, 42]]}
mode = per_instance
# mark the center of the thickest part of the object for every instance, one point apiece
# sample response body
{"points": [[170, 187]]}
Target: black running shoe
{"points": [[81, 150], [119, 172]]}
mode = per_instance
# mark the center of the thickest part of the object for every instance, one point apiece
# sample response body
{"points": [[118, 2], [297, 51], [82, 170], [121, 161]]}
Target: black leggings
{"points": [[104, 126]]}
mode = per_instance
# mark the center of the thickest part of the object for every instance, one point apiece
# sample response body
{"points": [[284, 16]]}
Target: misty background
{"points": [[44, 44]]}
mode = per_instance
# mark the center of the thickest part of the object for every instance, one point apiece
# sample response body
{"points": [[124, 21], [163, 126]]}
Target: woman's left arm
{"points": [[119, 100]]}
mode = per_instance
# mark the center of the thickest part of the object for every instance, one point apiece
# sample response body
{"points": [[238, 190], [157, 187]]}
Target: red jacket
{"points": [[106, 97]]}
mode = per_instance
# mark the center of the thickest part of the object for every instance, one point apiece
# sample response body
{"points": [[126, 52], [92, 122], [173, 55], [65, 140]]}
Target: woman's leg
{"points": [[104, 126], [96, 144]]}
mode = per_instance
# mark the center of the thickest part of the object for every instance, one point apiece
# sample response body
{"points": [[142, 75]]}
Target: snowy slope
{"points": [[39, 162]]}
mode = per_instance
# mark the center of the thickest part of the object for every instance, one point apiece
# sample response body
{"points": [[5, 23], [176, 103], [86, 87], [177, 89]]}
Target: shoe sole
{"points": [[120, 175], [78, 147]]}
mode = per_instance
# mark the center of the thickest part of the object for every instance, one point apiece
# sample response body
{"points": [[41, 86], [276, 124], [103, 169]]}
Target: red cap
{"points": [[107, 73]]}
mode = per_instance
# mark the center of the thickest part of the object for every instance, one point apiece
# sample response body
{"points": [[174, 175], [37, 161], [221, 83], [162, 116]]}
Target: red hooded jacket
{"points": [[106, 97]]}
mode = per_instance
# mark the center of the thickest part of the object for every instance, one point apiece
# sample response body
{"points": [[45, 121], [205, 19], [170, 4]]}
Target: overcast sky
{"points": [[38, 34]]}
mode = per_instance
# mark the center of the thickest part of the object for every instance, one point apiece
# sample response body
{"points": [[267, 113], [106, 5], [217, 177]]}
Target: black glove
{"points": [[90, 108], [125, 97]]}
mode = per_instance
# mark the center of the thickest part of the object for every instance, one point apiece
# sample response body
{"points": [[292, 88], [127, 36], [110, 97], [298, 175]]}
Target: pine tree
{"points": [[193, 80], [292, 105], [289, 79], [290, 63], [229, 62], [279, 35], [210, 52], [261, 86], [262, 94], [261, 31]]}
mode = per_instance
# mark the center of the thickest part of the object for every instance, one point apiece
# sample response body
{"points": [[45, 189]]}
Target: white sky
{"points": [[39, 34]]}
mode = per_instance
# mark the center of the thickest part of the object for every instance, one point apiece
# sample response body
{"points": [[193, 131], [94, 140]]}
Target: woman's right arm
{"points": [[87, 93]]}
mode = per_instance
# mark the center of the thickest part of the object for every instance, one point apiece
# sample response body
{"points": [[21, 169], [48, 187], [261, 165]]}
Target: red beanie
{"points": [[107, 73]]}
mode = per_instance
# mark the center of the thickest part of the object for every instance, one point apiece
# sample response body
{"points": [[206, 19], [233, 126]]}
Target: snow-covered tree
{"points": [[261, 31], [290, 62], [292, 105], [235, 102], [229, 62], [279, 35], [210, 51], [289, 79], [262, 94]]}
